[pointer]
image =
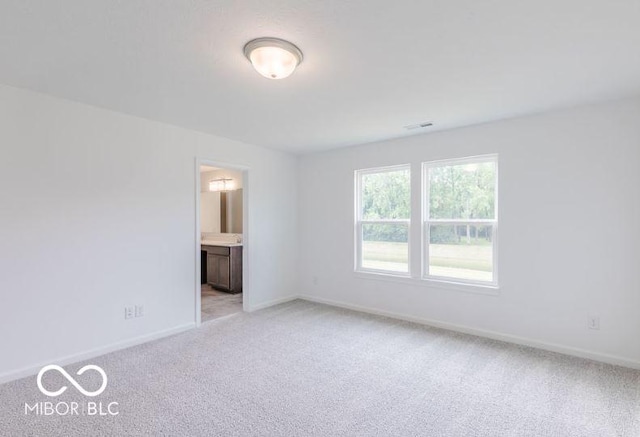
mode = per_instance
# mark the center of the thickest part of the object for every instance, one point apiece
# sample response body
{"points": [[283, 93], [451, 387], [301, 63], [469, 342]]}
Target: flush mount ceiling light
{"points": [[273, 58]]}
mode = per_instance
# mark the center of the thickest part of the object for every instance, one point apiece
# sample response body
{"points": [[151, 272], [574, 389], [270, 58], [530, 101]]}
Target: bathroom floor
{"points": [[216, 304]]}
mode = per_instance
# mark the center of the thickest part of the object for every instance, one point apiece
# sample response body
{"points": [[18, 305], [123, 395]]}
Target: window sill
{"points": [[488, 290]]}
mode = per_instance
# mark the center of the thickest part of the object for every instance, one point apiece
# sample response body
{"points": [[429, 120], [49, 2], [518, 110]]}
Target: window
{"points": [[383, 213], [460, 220]]}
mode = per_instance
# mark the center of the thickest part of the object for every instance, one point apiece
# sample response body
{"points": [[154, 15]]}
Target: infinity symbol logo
{"points": [[45, 369]]}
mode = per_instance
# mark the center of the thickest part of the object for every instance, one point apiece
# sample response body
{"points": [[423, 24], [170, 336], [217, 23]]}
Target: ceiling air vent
{"points": [[418, 126]]}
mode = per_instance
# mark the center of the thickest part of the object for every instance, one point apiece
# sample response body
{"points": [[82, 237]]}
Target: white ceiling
{"points": [[370, 68]]}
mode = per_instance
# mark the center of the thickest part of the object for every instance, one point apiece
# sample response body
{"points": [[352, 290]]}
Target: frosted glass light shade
{"points": [[273, 58]]}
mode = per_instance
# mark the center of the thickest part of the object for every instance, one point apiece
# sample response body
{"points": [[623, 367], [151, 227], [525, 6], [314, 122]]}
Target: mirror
{"points": [[220, 211], [231, 212]]}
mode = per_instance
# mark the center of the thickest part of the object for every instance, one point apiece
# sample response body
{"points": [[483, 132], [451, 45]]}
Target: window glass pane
{"points": [[463, 191], [385, 247], [461, 252], [386, 195]]}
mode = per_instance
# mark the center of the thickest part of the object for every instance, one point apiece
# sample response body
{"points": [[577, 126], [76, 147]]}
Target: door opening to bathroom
{"points": [[222, 248]]}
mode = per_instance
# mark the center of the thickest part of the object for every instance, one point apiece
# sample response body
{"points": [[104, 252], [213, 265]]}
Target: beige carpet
{"points": [[303, 369]]}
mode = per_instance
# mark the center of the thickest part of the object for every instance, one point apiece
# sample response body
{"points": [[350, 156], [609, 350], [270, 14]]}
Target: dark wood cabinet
{"points": [[218, 271], [203, 267], [224, 267]]}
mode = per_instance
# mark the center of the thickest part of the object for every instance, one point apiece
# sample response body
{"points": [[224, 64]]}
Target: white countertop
{"points": [[219, 243]]}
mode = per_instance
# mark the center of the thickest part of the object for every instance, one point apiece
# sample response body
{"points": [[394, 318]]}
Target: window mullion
{"points": [[384, 222]]}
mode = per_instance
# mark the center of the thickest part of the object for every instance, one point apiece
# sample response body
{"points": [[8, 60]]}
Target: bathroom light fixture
{"points": [[273, 58], [222, 184]]}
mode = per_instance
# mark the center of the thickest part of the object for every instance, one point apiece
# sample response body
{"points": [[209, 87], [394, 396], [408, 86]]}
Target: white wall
{"points": [[210, 212], [569, 233], [110, 222]]}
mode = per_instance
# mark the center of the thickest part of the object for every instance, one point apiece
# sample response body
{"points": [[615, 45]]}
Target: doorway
{"points": [[221, 222]]}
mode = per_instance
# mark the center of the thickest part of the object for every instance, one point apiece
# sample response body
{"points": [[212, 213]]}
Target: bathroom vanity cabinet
{"points": [[224, 267]]}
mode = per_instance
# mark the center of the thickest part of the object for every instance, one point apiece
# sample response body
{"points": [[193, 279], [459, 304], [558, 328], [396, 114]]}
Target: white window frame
{"points": [[360, 222], [427, 222]]}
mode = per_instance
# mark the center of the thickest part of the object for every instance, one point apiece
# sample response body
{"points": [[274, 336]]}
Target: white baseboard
{"points": [[552, 347], [81, 356], [92, 353], [270, 303]]}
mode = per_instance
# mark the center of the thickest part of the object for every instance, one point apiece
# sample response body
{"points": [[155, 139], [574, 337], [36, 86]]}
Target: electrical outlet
{"points": [[139, 310], [314, 280], [128, 312], [593, 322]]}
